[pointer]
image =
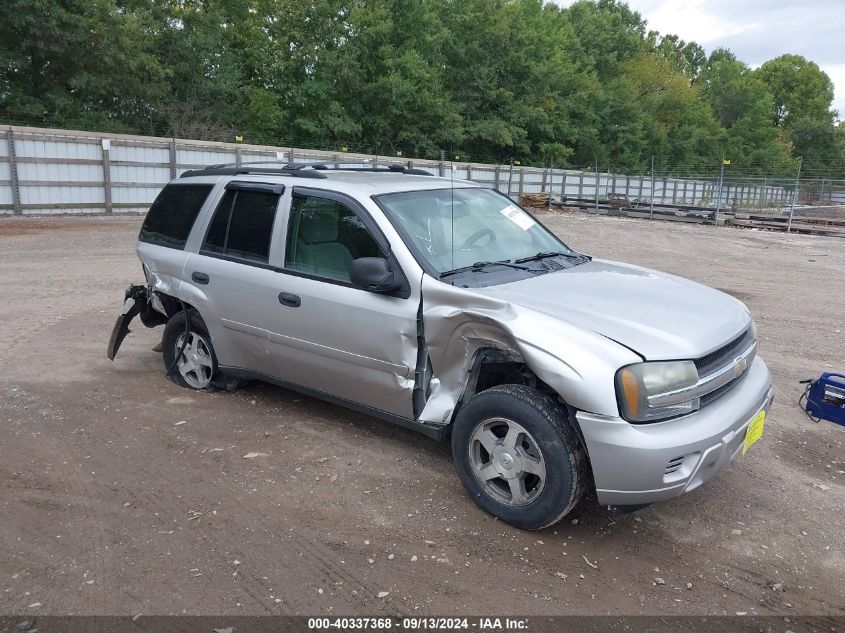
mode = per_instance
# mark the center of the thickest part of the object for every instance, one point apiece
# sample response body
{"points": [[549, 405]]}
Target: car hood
{"points": [[658, 315]]}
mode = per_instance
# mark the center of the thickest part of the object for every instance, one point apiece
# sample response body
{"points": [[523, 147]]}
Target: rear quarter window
{"points": [[172, 215]]}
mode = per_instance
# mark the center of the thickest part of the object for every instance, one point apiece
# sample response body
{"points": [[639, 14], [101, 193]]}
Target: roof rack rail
{"points": [[310, 169], [219, 170], [374, 166]]}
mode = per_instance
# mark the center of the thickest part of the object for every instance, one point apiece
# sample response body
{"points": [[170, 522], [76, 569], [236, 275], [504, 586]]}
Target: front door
{"points": [[328, 335]]}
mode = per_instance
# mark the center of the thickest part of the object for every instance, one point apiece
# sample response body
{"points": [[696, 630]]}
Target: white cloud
{"points": [[692, 21]]}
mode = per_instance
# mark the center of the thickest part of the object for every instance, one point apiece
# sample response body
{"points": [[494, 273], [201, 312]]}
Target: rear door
{"points": [[166, 230], [231, 275], [328, 335]]}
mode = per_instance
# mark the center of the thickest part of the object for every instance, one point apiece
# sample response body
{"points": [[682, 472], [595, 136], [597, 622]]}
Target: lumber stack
{"points": [[537, 200]]}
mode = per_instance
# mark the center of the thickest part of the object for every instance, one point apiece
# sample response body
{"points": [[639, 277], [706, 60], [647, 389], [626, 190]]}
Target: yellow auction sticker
{"points": [[754, 431]]}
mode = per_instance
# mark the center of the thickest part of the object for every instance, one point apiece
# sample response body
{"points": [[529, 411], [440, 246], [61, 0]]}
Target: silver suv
{"points": [[442, 306]]}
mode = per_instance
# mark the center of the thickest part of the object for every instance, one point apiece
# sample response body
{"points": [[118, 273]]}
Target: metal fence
{"points": [[48, 171]]}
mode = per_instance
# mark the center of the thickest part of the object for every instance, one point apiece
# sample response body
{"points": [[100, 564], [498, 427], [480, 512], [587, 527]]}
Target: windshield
{"points": [[455, 228]]}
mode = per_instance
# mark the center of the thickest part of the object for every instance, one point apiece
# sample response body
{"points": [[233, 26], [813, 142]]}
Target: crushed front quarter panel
{"points": [[576, 363]]}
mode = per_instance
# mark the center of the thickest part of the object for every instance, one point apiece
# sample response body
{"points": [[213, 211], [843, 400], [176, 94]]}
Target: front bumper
{"points": [[642, 463]]}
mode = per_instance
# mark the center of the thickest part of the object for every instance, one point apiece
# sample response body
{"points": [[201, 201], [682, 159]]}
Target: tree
{"points": [[684, 130], [802, 95], [800, 90], [392, 78], [688, 57], [608, 31], [83, 63], [515, 79], [742, 105], [193, 40], [489, 79]]}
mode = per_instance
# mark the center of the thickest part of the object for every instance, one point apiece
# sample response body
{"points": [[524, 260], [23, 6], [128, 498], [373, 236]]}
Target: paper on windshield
{"points": [[518, 217]]}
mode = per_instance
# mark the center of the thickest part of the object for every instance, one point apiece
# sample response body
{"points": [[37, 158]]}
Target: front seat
{"points": [[318, 250]]}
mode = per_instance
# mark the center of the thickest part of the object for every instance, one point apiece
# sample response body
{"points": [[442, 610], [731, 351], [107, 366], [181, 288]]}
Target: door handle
{"points": [[289, 299], [200, 278]]}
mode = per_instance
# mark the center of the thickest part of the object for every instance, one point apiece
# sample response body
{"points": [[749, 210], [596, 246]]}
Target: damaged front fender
{"points": [[578, 364]]}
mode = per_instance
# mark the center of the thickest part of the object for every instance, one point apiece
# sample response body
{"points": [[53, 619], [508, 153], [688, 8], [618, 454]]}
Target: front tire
{"points": [[197, 365], [519, 457]]}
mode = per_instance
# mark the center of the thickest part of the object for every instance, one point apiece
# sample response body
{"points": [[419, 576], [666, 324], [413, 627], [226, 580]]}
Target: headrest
{"points": [[447, 210], [317, 227]]}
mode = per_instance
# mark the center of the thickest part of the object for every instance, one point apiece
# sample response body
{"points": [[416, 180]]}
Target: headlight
{"points": [[753, 330], [636, 384]]}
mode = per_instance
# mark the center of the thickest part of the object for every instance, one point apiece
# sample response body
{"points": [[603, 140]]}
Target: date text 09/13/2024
{"points": [[419, 624]]}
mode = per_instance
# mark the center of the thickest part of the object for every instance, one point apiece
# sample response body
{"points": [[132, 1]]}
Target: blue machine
{"points": [[824, 398]]}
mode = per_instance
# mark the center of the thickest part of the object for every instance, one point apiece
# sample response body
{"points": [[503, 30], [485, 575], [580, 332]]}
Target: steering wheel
{"points": [[480, 233]]}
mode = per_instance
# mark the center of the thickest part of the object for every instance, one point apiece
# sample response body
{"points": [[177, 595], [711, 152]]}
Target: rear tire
{"points": [[197, 366], [519, 457]]}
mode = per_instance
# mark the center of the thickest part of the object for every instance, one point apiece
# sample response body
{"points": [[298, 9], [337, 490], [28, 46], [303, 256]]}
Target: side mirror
{"points": [[374, 274]]}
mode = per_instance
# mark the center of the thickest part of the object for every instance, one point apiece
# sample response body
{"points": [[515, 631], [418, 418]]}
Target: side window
{"points": [[215, 239], [242, 226], [324, 237], [172, 215]]}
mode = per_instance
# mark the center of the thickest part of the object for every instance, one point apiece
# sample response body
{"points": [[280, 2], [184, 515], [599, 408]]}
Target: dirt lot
{"points": [[121, 493]]}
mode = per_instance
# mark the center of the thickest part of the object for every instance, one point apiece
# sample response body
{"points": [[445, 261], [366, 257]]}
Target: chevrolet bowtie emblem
{"points": [[740, 365]]}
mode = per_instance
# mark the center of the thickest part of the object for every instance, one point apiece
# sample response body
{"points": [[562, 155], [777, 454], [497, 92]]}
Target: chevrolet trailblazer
{"points": [[446, 308]]}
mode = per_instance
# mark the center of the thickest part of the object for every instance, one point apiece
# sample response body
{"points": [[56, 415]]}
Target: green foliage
{"points": [[743, 105], [609, 32], [799, 88], [82, 61], [801, 97], [681, 125], [489, 80], [687, 57]]}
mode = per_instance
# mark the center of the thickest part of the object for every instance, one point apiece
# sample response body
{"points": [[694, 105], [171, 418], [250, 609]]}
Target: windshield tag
{"points": [[518, 217]]}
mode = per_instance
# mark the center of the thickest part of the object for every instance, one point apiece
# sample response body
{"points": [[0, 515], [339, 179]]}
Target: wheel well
{"points": [[492, 367], [172, 305]]}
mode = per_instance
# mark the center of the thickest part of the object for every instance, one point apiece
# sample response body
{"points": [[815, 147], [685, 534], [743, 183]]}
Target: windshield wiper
{"points": [[545, 254], [477, 266]]}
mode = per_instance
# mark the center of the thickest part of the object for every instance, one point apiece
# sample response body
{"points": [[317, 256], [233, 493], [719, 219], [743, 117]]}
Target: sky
{"points": [[758, 30]]}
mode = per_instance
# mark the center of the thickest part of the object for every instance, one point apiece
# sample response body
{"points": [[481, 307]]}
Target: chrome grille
{"points": [[713, 395], [718, 372], [725, 355], [722, 357]]}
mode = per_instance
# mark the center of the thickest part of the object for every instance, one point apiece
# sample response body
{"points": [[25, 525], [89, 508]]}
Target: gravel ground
{"points": [[123, 494]]}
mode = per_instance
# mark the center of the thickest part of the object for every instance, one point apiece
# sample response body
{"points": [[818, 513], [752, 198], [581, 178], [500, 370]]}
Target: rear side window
{"points": [[242, 226], [172, 215]]}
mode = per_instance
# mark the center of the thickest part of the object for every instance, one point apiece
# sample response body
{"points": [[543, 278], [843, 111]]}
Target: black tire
{"points": [[171, 343], [547, 426]]}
